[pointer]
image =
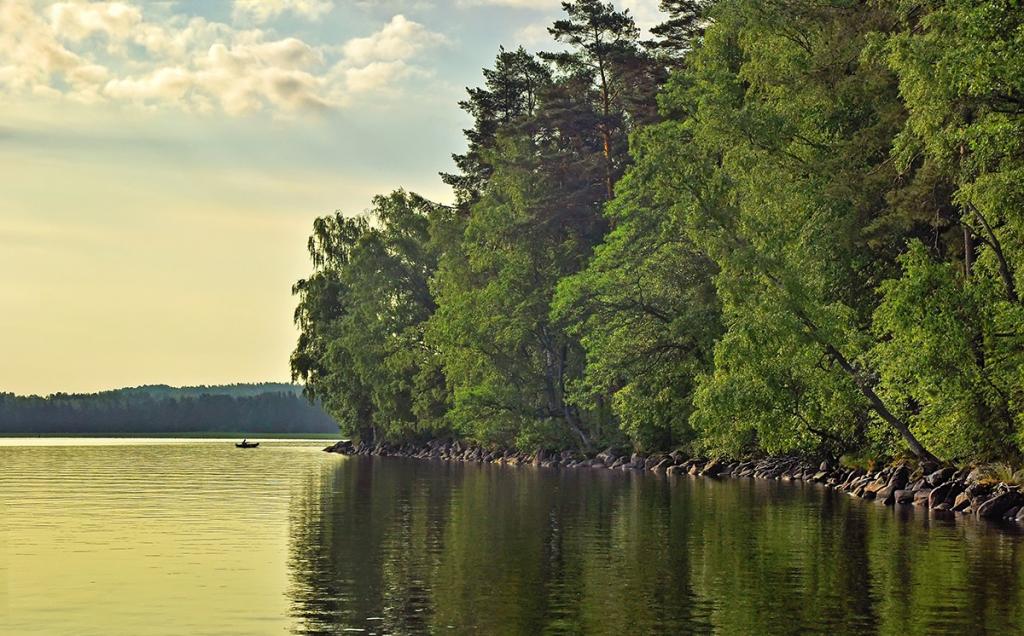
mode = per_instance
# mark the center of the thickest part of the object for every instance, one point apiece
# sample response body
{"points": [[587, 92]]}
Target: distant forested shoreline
{"points": [[260, 408], [776, 227]]}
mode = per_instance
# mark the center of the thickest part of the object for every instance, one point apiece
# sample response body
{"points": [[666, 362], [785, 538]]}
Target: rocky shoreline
{"points": [[967, 491]]}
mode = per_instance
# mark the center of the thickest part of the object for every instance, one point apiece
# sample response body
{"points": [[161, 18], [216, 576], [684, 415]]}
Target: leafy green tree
{"points": [[935, 342], [952, 347], [806, 240], [798, 128], [362, 316], [507, 364], [535, 219], [324, 366], [645, 308]]}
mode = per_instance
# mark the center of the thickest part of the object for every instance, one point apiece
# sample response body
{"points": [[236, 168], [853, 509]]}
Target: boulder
{"points": [[886, 495], [921, 496], [900, 477], [939, 493], [608, 456], [940, 476], [875, 486], [904, 496], [997, 506], [975, 475], [662, 466], [343, 447], [713, 468], [653, 461]]}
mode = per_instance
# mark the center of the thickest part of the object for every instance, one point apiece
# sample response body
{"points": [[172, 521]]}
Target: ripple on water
{"points": [[197, 537]]}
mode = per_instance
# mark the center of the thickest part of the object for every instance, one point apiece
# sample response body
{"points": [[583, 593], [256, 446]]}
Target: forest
{"points": [[162, 409], [765, 227]]}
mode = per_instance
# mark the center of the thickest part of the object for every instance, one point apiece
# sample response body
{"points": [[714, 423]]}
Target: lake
{"points": [[197, 537]]}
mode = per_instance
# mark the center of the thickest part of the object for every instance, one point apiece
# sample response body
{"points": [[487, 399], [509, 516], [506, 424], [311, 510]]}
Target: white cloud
{"points": [[400, 39], [30, 53], [195, 64], [165, 84], [76, 21], [261, 11], [534, 35], [375, 76], [520, 4], [646, 13]]}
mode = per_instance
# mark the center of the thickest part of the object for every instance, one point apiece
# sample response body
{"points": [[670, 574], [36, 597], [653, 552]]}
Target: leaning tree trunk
{"points": [[878, 406]]}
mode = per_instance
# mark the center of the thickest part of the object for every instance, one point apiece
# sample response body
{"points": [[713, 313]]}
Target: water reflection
{"points": [[176, 537], [402, 546]]}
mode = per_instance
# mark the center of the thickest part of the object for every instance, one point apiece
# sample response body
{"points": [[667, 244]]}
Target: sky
{"points": [[161, 163]]}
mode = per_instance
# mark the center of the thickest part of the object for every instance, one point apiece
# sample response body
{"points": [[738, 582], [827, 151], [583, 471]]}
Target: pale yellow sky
{"points": [[161, 164], [169, 261]]}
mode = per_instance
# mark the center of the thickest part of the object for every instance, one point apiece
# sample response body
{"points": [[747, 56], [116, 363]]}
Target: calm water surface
{"points": [[197, 537]]}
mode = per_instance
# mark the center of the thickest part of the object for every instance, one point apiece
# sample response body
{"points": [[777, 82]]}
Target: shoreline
{"points": [[955, 491], [213, 435]]}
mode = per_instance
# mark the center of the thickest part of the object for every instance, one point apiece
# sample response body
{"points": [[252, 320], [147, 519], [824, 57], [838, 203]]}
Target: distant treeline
{"points": [[242, 408]]}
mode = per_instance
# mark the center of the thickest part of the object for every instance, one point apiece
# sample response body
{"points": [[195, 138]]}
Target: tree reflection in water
{"points": [[407, 546]]}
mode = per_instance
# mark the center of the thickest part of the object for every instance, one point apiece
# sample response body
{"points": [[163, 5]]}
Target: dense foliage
{"points": [[777, 226], [238, 408]]}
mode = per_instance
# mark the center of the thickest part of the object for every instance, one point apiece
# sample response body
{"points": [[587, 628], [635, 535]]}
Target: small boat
{"points": [[246, 444]]}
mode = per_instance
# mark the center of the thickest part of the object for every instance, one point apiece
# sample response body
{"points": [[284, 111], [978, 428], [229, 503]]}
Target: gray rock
{"points": [[997, 506], [904, 496], [921, 496], [940, 476], [608, 456], [713, 468], [975, 475], [663, 465], [886, 495], [899, 478], [938, 494]]}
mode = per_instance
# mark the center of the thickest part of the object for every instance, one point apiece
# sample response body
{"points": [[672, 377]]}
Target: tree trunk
{"points": [[1004, 267], [968, 252], [879, 407]]}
